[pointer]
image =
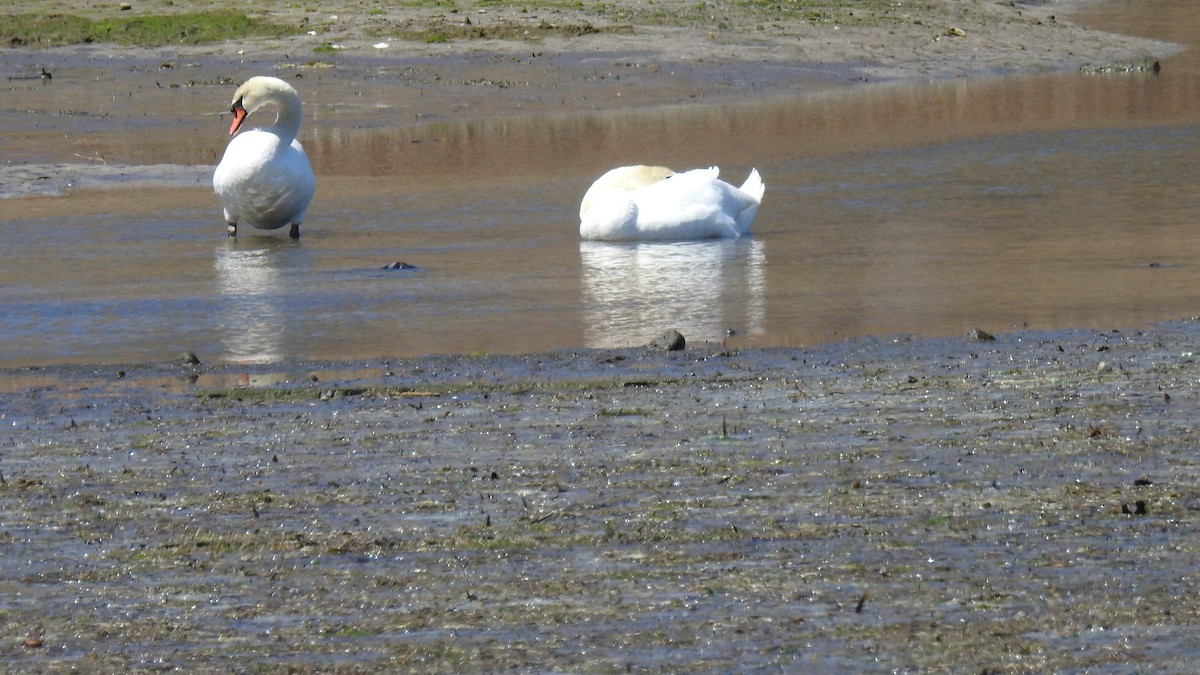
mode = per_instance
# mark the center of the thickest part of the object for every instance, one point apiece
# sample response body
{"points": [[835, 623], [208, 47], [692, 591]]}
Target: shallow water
{"points": [[925, 208]]}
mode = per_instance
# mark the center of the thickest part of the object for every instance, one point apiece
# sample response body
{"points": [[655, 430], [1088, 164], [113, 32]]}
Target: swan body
{"points": [[264, 179], [655, 203]]}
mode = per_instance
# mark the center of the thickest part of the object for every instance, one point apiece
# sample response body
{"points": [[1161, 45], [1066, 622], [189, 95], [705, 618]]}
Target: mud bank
{"points": [[1024, 504], [95, 123]]}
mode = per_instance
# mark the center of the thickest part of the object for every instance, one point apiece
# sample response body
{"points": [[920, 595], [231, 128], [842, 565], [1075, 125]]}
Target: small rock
{"points": [[980, 335], [1138, 508], [189, 359], [399, 265], [670, 341]]}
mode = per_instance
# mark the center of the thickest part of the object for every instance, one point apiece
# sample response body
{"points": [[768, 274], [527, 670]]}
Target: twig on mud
{"points": [[547, 516]]}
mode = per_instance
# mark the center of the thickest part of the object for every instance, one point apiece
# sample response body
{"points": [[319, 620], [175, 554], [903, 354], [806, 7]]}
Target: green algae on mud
{"points": [[445, 31], [893, 504], [177, 22], [39, 30]]}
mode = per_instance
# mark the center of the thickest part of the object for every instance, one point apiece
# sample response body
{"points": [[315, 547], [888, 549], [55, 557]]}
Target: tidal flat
{"points": [[1023, 504]]}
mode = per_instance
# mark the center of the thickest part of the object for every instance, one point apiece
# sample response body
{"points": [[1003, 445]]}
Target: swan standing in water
{"points": [[264, 179], [655, 203]]}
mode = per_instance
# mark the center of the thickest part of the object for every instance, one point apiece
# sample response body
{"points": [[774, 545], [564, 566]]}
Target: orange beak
{"points": [[239, 116]]}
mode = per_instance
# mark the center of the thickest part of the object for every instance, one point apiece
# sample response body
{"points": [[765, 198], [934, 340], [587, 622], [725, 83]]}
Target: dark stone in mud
{"points": [[189, 359], [980, 335], [400, 266], [1137, 508], [670, 341]]}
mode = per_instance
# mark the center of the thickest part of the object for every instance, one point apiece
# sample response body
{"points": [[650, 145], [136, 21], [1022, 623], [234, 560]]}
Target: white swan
{"points": [[654, 202], [264, 179]]}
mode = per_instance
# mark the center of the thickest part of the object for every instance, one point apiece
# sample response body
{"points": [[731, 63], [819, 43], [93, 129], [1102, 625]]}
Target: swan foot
{"points": [[294, 233], [232, 229]]}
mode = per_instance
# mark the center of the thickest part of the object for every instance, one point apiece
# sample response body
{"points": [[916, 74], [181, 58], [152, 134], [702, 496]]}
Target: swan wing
{"points": [[695, 205], [608, 215], [654, 203]]}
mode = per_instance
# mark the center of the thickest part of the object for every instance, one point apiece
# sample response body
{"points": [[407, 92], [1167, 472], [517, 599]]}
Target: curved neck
{"points": [[287, 123]]}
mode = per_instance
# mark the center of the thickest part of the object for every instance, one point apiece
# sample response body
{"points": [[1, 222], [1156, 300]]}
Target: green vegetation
{"points": [[19, 30], [186, 22], [440, 32]]}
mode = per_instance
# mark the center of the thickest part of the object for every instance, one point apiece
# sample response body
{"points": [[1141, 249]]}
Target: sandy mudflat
{"points": [[1027, 504]]}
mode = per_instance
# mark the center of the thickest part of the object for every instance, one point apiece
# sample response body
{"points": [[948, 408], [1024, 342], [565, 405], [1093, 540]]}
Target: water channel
{"points": [[927, 208]]}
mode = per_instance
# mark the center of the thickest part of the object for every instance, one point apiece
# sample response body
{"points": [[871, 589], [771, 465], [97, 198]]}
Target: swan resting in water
{"points": [[638, 202], [264, 179]]}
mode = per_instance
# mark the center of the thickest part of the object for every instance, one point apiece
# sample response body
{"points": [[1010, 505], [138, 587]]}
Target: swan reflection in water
{"points": [[256, 280], [633, 292]]}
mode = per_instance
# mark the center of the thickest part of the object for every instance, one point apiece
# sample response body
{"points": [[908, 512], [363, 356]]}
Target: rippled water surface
{"points": [[927, 208]]}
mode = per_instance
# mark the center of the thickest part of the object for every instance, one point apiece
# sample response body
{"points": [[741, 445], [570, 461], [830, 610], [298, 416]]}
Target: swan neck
{"points": [[287, 122]]}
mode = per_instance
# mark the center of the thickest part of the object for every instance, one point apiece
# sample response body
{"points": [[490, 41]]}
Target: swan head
{"points": [[259, 91], [633, 177], [623, 179]]}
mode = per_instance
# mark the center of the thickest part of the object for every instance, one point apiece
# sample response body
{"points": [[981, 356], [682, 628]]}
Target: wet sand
{"points": [[1020, 505]]}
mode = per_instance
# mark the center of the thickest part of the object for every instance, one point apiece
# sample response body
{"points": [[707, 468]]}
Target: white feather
{"points": [[264, 179], [654, 203]]}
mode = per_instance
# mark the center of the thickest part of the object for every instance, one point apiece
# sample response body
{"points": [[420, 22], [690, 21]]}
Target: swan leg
{"points": [[294, 233], [232, 229]]}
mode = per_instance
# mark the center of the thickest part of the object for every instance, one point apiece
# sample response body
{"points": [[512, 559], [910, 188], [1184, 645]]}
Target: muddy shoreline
{"points": [[1026, 504]]}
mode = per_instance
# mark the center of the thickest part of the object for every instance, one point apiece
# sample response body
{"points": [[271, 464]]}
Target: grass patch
{"points": [[40, 30], [441, 32]]}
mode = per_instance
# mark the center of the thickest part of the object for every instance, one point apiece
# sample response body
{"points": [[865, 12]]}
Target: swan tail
{"points": [[745, 219], [754, 186]]}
